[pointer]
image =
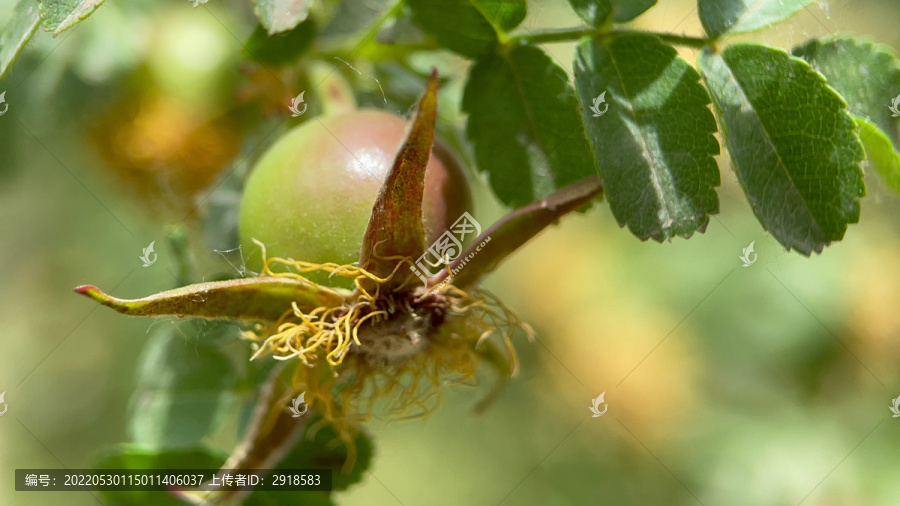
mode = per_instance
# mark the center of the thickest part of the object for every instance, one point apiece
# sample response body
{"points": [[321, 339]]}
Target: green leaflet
{"points": [[597, 12], [652, 136], [60, 15], [794, 147], [594, 12], [130, 456], [281, 15], [468, 27], [626, 10], [17, 31], [524, 123], [868, 77], [881, 153], [720, 17]]}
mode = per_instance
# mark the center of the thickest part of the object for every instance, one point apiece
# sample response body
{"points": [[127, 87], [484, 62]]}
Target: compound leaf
{"points": [[468, 27], [721, 17], [59, 15], [18, 30], [524, 123], [794, 147], [865, 74], [648, 118]]}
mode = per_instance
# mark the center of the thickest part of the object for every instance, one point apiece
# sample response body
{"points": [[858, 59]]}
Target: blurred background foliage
{"points": [[763, 385]]}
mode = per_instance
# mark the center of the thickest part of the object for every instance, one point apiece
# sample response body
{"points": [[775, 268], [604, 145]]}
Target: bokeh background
{"points": [[726, 385]]}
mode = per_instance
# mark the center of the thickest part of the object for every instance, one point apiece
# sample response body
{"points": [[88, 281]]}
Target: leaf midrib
{"points": [[660, 193]]}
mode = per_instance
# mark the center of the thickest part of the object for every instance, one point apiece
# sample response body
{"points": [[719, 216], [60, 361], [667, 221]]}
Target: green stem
{"points": [[572, 34], [370, 34]]}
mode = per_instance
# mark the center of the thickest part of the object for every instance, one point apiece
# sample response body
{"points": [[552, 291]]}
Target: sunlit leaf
{"points": [[18, 30], [468, 27], [739, 16], [59, 15], [281, 15], [524, 123], [652, 136], [794, 146], [881, 153]]}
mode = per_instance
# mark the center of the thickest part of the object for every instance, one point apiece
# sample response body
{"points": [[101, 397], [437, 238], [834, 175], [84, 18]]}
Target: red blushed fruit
{"points": [[311, 194]]}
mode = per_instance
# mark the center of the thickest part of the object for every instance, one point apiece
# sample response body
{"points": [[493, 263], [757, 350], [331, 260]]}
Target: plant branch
{"points": [[573, 34]]}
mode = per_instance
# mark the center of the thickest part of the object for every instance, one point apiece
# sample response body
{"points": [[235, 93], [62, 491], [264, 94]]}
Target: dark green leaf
{"points": [[468, 27], [282, 48], [136, 457], [321, 448], [18, 30], [183, 386], [524, 123], [794, 146], [881, 153], [626, 10], [59, 15], [865, 74], [281, 15], [740, 16], [655, 144], [594, 12]]}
